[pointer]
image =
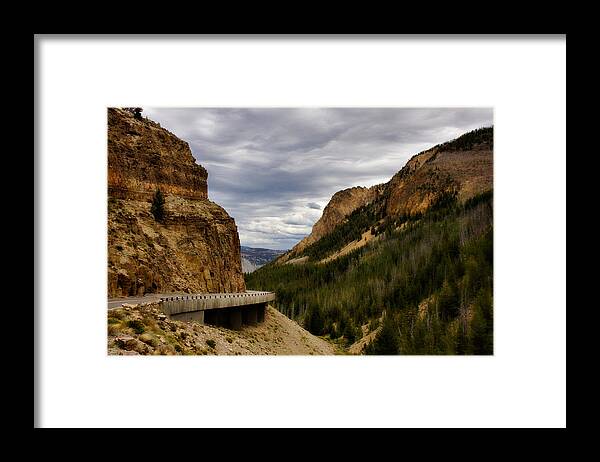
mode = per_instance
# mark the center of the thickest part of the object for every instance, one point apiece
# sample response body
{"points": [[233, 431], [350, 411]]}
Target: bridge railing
{"points": [[201, 302]]}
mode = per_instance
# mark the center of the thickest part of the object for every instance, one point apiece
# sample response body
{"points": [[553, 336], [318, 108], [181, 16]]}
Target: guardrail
{"points": [[179, 304]]}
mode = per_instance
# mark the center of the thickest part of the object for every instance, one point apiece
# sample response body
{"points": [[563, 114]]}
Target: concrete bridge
{"points": [[231, 310]]}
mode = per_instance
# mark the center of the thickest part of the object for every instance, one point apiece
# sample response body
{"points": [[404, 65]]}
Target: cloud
{"points": [[274, 170]]}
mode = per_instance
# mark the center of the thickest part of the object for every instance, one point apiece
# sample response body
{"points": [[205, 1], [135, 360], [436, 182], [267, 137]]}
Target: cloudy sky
{"points": [[275, 169]]}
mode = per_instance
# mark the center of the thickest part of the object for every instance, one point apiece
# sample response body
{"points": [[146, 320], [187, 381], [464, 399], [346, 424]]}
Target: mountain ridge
{"points": [[461, 167], [341, 204], [255, 257]]}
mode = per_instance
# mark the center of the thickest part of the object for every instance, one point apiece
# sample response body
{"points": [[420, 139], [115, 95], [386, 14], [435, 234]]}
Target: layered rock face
{"points": [[196, 248], [142, 156]]}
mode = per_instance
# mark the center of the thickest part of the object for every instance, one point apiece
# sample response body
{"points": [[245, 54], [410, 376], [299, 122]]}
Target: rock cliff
{"points": [[195, 248], [142, 156], [342, 204]]}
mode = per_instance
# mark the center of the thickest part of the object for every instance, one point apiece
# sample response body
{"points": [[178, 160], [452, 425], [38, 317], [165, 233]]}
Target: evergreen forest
{"points": [[423, 285]]}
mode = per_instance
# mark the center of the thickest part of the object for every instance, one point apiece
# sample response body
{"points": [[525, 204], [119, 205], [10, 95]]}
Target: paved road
{"points": [[152, 298], [118, 302]]}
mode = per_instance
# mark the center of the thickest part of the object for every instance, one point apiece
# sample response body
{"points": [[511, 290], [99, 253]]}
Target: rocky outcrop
{"points": [[195, 248], [342, 204], [143, 156], [432, 173]]}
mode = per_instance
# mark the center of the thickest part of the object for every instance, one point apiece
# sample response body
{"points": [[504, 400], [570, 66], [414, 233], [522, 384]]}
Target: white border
{"points": [[523, 384]]}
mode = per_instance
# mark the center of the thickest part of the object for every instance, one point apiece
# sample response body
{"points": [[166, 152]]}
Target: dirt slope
{"points": [[351, 246], [135, 330]]}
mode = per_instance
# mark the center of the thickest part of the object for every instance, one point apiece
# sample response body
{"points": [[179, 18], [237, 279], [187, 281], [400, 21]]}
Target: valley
{"points": [[401, 267], [414, 261]]}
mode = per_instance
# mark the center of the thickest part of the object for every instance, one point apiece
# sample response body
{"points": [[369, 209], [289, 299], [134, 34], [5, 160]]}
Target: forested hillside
{"points": [[411, 269], [432, 278]]}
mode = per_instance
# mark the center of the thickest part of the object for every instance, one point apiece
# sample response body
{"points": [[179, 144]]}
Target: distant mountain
{"points": [[254, 257]]}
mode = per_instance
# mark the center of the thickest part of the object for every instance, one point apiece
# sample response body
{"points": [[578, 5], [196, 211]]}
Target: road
{"points": [[118, 302]]}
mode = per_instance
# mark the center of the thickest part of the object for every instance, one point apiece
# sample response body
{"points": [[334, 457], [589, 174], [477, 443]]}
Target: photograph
{"points": [[281, 225], [300, 231]]}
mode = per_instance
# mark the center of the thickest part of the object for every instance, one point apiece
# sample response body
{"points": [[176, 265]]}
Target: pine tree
{"points": [[350, 332], [481, 336], [461, 342], [387, 341], [448, 301], [158, 206], [315, 321]]}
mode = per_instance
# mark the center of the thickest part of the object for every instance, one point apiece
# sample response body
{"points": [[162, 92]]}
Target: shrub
{"points": [[150, 323], [373, 325], [118, 314], [333, 332], [137, 326], [352, 333], [149, 340], [113, 329], [387, 341]]}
